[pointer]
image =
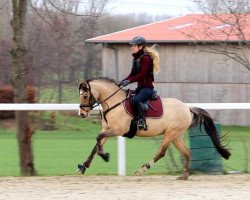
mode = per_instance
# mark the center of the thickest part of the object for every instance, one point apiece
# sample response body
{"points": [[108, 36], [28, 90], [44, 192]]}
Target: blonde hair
{"points": [[154, 54]]}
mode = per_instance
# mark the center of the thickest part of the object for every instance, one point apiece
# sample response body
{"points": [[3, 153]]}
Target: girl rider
{"points": [[145, 64]]}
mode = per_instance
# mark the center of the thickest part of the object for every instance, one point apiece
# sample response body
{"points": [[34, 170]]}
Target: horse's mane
{"points": [[107, 79]]}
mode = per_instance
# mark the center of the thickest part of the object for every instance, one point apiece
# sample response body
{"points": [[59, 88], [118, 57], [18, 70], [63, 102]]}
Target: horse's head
{"points": [[87, 99], [98, 91]]}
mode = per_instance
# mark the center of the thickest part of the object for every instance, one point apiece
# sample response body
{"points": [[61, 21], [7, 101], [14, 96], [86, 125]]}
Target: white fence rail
{"points": [[121, 141], [71, 106]]}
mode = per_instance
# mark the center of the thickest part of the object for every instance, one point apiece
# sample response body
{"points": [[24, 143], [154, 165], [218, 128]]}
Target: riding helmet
{"points": [[138, 40]]}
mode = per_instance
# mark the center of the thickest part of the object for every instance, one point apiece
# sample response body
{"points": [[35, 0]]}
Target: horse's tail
{"points": [[202, 117]]}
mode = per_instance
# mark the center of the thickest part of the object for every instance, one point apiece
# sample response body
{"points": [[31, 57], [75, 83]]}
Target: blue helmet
{"points": [[138, 40]]}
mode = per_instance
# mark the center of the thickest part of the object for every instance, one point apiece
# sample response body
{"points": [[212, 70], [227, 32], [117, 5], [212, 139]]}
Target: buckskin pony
{"points": [[176, 119]]}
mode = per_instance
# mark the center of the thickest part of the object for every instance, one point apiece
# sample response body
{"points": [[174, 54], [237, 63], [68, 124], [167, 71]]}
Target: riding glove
{"points": [[124, 83]]}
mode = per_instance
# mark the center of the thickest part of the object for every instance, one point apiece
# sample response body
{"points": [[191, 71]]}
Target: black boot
{"points": [[141, 123]]}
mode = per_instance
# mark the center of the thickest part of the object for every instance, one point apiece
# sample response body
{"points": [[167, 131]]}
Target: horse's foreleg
{"points": [[100, 152], [98, 148], [86, 164], [160, 153], [102, 137]]}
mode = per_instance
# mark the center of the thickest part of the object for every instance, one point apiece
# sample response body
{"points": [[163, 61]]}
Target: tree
{"points": [[223, 6], [230, 19], [19, 73], [89, 26]]}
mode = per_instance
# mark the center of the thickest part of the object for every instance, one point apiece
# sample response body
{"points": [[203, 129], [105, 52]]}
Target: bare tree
{"points": [[230, 20], [19, 73], [89, 26], [223, 6]]}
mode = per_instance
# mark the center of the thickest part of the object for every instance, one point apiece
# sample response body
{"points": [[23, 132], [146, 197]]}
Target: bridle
{"points": [[94, 103], [92, 100]]}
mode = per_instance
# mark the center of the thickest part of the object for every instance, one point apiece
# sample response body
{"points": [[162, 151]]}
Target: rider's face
{"points": [[135, 48]]}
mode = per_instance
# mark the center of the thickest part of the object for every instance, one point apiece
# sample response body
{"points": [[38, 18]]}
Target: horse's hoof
{"points": [[105, 157], [81, 169], [137, 173], [184, 177]]}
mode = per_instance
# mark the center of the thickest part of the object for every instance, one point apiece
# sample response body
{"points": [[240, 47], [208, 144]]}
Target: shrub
{"points": [[7, 96]]}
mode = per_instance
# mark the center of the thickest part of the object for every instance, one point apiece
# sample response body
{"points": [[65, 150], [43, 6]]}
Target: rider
{"points": [[145, 63]]}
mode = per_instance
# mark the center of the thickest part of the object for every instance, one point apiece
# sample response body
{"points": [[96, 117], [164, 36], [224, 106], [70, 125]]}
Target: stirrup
{"points": [[141, 125]]}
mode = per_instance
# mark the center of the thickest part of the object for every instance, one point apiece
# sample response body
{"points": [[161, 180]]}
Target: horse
{"points": [[177, 118]]}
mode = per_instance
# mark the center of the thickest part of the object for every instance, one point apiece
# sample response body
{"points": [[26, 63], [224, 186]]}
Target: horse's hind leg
{"points": [[186, 154], [160, 153]]}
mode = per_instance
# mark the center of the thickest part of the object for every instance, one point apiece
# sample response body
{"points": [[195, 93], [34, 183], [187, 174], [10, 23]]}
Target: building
{"points": [[190, 70]]}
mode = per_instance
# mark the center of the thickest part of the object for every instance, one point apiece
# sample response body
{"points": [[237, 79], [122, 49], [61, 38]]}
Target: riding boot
{"points": [[141, 123]]}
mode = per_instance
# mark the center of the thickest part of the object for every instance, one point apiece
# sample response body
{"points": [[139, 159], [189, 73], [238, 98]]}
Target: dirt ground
{"points": [[127, 188]]}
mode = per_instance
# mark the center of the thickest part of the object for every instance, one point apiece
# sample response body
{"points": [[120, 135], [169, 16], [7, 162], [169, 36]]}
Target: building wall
{"points": [[192, 76]]}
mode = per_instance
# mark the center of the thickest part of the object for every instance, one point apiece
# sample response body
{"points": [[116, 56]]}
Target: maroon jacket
{"points": [[143, 77]]}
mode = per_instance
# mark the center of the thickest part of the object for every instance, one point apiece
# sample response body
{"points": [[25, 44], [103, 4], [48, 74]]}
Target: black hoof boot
{"points": [[105, 157], [81, 169]]}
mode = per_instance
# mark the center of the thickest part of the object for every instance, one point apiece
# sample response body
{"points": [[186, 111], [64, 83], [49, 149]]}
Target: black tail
{"points": [[202, 117]]}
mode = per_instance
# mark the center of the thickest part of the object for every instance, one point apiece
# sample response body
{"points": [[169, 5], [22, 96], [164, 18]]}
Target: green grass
{"points": [[49, 95], [239, 143], [59, 151]]}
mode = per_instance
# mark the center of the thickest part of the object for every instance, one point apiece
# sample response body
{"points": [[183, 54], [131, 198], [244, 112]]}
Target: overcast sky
{"points": [[152, 7]]}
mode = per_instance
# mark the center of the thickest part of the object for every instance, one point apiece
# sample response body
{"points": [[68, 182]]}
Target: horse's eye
{"points": [[85, 97]]}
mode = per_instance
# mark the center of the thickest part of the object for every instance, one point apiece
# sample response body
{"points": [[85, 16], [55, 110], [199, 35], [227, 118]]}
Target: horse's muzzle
{"points": [[82, 113]]}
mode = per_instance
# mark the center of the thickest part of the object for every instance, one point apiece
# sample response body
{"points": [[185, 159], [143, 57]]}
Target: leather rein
{"points": [[94, 103]]}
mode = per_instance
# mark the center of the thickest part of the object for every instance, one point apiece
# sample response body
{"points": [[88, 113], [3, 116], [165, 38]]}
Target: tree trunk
{"points": [[19, 73]]}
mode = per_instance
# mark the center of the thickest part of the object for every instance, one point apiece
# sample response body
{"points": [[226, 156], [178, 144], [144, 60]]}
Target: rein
{"points": [[109, 96], [114, 106]]}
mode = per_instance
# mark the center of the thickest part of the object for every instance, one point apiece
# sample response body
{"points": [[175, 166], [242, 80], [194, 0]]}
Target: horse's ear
{"points": [[83, 85]]}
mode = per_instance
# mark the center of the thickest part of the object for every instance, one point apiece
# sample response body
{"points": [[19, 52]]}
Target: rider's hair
{"points": [[154, 54]]}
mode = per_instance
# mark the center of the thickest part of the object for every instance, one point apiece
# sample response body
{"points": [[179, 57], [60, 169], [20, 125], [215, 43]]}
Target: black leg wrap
{"points": [[146, 165], [81, 168]]}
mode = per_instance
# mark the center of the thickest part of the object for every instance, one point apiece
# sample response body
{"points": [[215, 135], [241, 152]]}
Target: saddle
{"points": [[153, 107]]}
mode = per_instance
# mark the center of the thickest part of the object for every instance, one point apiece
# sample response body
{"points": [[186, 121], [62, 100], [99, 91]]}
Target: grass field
{"points": [[59, 151]]}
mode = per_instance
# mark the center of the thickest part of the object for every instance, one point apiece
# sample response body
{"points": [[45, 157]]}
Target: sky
{"points": [[152, 7]]}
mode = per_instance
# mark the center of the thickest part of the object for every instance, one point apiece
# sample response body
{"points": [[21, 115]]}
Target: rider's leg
{"points": [[141, 124], [142, 95], [139, 114]]}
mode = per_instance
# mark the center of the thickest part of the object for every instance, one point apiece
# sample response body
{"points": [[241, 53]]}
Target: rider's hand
{"points": [[124, 83]]}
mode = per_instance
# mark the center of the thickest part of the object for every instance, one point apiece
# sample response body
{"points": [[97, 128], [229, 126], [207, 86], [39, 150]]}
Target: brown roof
{"points": [[188, 28]]}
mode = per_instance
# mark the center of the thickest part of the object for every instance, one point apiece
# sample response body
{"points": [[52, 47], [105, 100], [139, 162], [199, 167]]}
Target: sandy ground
{"points": [[129, 188]]}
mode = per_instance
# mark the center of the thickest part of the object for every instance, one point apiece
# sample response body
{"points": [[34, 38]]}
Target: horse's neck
{"points": [[103, 91]]}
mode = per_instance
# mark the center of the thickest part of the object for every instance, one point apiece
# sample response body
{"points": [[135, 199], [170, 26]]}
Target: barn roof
{"points": [[187, 28]]}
